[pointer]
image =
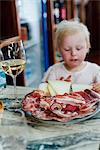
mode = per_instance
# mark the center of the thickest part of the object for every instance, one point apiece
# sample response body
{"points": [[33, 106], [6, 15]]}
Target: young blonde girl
{"points": [[73, 42]]}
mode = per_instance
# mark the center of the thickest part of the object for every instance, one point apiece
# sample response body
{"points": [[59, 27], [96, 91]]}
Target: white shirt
{"points": [[88, 75]]}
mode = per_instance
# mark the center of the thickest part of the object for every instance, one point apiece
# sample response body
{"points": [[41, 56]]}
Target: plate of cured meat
{"points": [[67, 108]]}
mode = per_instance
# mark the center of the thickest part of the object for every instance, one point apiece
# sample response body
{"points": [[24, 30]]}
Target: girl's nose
{"points": [[73, 52]]}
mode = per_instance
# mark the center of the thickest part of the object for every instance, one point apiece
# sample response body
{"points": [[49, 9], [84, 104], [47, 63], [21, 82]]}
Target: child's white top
{"points": [[88, 75]]}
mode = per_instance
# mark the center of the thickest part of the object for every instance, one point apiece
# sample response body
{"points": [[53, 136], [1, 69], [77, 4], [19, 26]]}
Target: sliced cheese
{"points": [[60, 87], [54, 87], [51, 90], [44, 87], [81, 87]]}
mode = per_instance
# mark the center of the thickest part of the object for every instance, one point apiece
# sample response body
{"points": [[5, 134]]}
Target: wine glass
{"points": [[12, 62]]}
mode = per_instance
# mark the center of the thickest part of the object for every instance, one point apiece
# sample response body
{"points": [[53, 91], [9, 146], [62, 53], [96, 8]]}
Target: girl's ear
{"points": [[88, 50], [58, 49]]}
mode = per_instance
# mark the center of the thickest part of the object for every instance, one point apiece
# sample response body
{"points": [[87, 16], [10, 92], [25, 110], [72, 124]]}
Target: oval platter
{"points": [[53, 122]]}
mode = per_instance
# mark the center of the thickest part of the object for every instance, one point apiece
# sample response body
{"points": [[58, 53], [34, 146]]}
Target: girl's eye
{"points": [[67, 49], [79, 48]]}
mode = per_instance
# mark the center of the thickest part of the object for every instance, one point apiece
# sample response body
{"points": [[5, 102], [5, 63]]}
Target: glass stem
{"points": [[15, 91]]}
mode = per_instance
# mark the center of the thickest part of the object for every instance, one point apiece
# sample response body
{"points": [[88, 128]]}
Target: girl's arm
{"points": [[49, 74], [96, 87], [96, 84]]}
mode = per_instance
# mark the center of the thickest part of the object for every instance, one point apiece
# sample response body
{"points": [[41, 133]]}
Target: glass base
{"points": [[14, 104]]}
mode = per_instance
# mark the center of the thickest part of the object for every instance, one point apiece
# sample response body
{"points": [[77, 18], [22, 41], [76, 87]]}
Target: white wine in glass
{"points": [[12, 62]]}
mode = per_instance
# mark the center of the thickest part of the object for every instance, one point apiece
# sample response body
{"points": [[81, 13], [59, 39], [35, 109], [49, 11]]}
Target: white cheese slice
{"points": [[44, 87], [80, 87], [54, 87], [51, 90], [60, 87]]}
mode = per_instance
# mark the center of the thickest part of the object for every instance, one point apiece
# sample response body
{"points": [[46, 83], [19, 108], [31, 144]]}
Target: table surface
{"points": [[16, 132]]}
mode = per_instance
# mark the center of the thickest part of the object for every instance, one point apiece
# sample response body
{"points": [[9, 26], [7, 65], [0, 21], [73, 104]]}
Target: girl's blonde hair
{"points": [[66, 28]]}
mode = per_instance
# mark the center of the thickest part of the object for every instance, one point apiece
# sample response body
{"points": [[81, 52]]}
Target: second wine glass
{"points": [[12, 61]]}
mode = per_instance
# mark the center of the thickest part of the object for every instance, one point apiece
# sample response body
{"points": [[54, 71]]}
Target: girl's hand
{"points": [[96, 87]]}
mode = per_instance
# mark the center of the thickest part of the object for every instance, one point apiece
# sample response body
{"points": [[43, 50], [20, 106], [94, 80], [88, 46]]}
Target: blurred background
{"points": [[35, 21]]}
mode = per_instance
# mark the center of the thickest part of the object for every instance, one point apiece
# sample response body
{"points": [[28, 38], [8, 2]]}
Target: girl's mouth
{"points": [[74, 60]]}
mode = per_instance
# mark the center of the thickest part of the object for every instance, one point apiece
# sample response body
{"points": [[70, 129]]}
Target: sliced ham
{"points": [[61, 108], [66, 99]]}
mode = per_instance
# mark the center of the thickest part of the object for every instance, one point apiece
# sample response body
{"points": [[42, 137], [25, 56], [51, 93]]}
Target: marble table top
{"points": [[19, 133]]}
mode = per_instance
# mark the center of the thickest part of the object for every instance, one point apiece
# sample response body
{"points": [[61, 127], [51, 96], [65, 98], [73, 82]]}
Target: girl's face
{"points": [[74, 49]]}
